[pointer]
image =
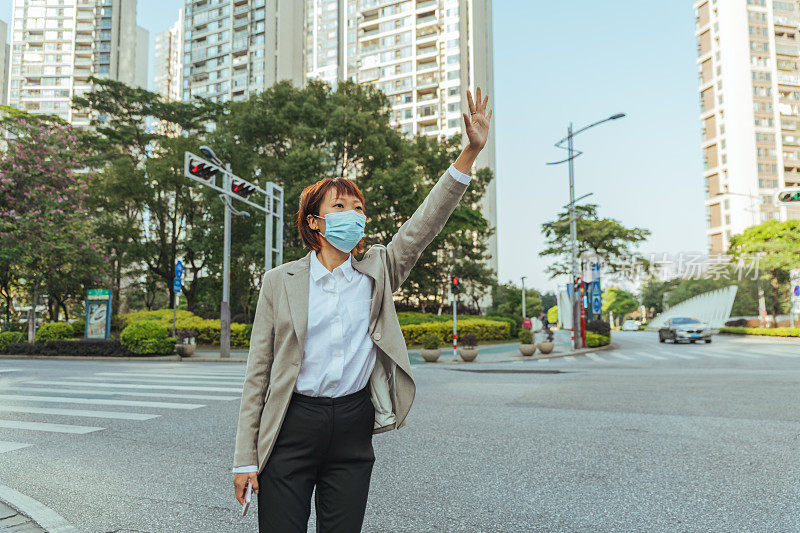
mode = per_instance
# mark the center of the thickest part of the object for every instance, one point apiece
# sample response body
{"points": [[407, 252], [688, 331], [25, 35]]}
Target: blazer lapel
{"points": [[296, 284], [371, 266]]}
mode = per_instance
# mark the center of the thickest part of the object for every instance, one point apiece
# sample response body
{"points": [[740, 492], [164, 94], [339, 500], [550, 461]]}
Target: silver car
{"points": [[683, 328]]}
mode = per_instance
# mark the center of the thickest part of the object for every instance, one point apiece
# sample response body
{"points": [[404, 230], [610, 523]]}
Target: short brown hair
{"points": [[310, 200]]}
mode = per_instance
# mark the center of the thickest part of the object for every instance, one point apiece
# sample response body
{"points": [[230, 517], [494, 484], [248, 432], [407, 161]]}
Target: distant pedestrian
{"points": [[545, 323]]}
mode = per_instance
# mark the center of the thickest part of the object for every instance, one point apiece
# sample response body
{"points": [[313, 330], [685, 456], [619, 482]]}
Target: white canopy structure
{"points": [[713, 308]]}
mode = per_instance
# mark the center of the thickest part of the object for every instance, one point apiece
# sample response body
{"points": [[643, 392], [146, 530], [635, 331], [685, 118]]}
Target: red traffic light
{"points": [[455, 284], [242, 188], [202, 170], [455, 280]]}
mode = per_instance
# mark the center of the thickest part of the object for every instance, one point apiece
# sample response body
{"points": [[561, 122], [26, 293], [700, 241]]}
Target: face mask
{"points": [[344, 229]]}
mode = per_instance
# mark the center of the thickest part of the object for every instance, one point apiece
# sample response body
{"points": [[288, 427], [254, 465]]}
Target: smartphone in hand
{"points": [[248, 494]]}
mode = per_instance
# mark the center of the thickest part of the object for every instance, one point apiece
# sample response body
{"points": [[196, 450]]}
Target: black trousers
{"points": [[323, 442]]}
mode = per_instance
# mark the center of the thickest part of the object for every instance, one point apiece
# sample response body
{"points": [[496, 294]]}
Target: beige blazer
{"points": [[279, 331]]}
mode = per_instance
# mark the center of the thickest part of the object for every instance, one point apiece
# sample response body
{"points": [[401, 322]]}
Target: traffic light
{"points": [[242, 188], [455, 285], [203, 170], [787, 196]]}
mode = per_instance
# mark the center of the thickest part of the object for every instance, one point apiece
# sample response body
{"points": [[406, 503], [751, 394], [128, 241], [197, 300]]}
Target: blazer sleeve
{"points": [[256, 380], [417, 232]]}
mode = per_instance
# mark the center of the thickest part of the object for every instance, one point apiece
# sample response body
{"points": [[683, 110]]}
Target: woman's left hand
{"points": [[477, 122]]}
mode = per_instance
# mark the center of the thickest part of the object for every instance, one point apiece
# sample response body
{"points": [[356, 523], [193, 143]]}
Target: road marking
{"points": [[717, 355], [652, 356], [137, 386], [10, 446], [140, 375], [596, 358], [76, 412], [569, 358], [621, 356], [682, 356], [199, 397], [96, 401], [750, 355], [544, 360], [786, 354], [4, 370], [44, 426], [168, 380]]}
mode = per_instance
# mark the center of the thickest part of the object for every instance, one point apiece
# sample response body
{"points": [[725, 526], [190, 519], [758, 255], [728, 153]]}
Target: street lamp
{"points": [[524, 316], [575, 299]]}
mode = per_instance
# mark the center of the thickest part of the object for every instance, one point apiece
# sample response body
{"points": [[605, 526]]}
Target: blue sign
{"points": [[596, 270], [596, 304], [179, 269], [797, 290], [176, 285], [596, 287]]}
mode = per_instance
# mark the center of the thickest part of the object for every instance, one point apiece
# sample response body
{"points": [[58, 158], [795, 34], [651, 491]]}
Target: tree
{"points": [[47, 239], [776, 245], [618, 301], [606, 237], [507, 299]]}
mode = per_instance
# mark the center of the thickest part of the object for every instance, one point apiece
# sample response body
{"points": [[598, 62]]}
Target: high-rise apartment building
{"points": [[423, 54], [234, 48], [5, 56], [168, 61], [57, 44], [749, 69]]}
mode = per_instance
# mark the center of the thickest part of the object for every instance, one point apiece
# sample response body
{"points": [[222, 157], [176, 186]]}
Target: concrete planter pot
{"points": [[468, 354], [431, 356], [527, 349], [545, 347], [185, 350]]}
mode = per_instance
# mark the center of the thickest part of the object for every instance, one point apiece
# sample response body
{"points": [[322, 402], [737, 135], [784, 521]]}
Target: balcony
{"points": [[429, 65], [787, 50], [427, 80]]}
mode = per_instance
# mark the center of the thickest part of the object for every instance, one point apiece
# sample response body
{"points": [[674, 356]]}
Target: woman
{"points": [[328, 366]]}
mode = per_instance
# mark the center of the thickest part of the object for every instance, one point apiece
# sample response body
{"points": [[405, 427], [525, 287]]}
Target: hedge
{"points": [[10, 337], [111, 348], [54, 331], [207, 329], [601, 327], [514, 321], [594, 340], [483, 328], [770, 332], [147, 337]]}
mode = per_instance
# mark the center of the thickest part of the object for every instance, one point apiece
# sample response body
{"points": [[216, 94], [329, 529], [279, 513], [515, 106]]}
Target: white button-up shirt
{"points": [[339, 355]]}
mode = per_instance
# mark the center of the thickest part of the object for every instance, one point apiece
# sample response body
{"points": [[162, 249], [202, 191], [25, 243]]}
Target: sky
{"points": [[582, 61]]}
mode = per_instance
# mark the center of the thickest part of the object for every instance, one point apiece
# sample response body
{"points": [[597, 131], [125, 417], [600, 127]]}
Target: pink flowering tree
{"points": [[47, 240]]}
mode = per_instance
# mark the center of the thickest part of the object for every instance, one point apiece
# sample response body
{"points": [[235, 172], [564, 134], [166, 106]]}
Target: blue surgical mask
{"points": [[344, 229]]}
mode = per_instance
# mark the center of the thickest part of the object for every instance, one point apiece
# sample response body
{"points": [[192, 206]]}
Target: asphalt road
{"points": [[648, 437]]}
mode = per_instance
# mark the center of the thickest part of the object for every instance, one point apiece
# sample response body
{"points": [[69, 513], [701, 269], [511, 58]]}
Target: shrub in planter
{"points": [[599, 326], [470, 340], [525, 336], [594, 340], [469, 351], [431, 341], [53, 331], [147, 337], [10, 337]]}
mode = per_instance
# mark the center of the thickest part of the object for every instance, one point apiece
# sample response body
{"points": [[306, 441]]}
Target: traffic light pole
{"points": [[224, 307]]}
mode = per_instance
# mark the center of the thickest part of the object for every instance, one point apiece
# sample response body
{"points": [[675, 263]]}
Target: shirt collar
{"points": [[318, 270]]}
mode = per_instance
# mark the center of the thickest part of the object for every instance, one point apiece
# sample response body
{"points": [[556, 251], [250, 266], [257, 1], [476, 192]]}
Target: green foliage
{"points": [[594, 340], [207, 329], [507, 300], [54, 331], [552, 314], [606, 237], [770, 332], [430, 341], [147, 337], [410, 317], [525, 336], [681, 289], [484, 329], [78, 328], [618, 301], [514, 321], [10, 337]]}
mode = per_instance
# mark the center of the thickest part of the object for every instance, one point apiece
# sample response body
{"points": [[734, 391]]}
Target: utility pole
{"points": [[224, 306], [524, 316]]}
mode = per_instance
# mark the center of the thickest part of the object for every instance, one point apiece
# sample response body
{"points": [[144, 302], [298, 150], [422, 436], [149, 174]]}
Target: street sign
{"points": [[97, 323], [596, 304], [179, 269], [176, 285]]}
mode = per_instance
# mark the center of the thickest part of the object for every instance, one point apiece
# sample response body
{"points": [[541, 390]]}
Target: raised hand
{"points": [[477, 122]]}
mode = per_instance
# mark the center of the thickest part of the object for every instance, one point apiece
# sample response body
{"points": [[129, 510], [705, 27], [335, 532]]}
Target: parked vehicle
{"points": [[684, 329], [630, 325]]}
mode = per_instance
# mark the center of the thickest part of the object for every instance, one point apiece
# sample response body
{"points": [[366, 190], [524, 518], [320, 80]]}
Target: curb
{"points": [[45, 518], [94, 357]]}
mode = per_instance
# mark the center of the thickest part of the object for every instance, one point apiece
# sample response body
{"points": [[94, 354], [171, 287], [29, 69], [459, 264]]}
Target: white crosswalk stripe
{"points": [[167, 388], [10, 446], [620, 356], [596, 358], [569, 358], [137, 386], [45, 426]]}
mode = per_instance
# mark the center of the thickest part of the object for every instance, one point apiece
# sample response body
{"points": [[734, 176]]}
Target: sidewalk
{"points": [[13, 520]]}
